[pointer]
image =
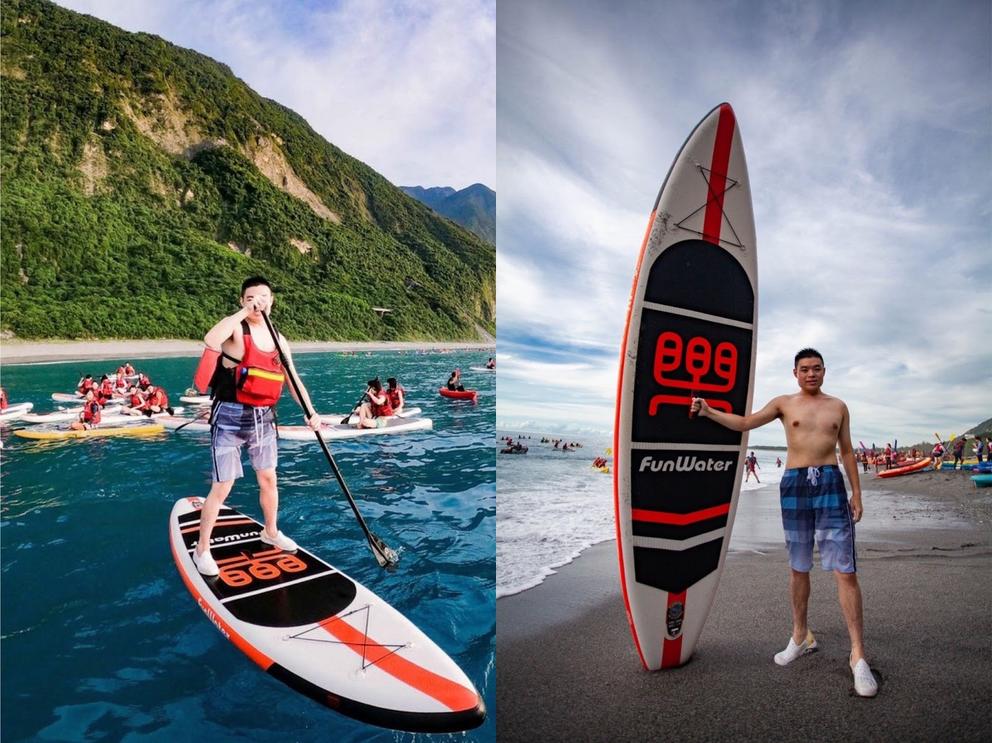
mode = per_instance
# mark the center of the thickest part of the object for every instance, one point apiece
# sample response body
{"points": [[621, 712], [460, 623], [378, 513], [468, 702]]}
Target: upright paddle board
{"points": [[691, 326], [320, 632]]}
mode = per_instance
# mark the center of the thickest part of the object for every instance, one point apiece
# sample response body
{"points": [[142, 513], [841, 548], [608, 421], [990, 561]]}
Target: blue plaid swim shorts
{"points": [[814, 503], [233, 426]]}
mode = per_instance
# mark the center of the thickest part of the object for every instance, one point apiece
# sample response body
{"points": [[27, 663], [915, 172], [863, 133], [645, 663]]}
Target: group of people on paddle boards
{"points": [[378, 404], [134, 390]]}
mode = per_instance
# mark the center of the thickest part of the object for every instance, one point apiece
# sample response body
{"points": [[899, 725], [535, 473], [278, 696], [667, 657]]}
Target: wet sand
{"points": [[32, 352], [567, 668]]}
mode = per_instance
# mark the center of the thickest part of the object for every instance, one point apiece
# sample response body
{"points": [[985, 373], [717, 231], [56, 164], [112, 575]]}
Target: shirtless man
{"points": [[814, 501], [247, 383]]}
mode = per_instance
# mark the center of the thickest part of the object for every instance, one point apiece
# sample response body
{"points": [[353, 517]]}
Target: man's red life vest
{"points": [[381, 410], [107, 389], [159, 398], [136, 401], [91, 412], [259, 375], [393, 396], [86, 386]]}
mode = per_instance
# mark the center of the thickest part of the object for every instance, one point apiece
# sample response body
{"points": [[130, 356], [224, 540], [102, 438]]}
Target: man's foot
{"points": [[864, 681], [793, 651], [280, 540], [205, 564]]}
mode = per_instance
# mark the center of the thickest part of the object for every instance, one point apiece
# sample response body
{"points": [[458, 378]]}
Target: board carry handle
{"points": [[384, 555]]}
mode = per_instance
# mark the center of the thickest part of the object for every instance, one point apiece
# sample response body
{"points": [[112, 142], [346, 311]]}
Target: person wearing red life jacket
{"points": [[4, 402], [106, 387], [396, 395], [376, 407], [247, 381], [143, 380], [120, 383], [135, 402], [128, 369], [85, 384], [91, 413], [158, 401]]}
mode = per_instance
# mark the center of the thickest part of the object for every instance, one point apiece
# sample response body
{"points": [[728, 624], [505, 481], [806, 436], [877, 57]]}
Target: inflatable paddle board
{"points": [[16, 411], [690, 331], [482, 369], [320, 632], [332, 418], [331, 431], [44, 432], [68, 414]]}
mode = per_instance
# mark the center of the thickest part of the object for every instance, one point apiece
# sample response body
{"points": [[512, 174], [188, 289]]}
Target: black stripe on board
{"points": [[675, 571]]}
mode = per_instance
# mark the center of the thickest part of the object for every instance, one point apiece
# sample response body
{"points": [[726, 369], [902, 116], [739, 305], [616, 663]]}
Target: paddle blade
{"points": [[384, 555]]}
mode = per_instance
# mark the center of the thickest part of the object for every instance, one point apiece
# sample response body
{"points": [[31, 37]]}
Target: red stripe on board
{"points": [[616, 440], [679, 519], [671, 650], [452, 695], [713, 221]]}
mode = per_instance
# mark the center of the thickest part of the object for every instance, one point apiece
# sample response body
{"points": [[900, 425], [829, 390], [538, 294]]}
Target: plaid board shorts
{"points": [[232, 426], [814, 503]]}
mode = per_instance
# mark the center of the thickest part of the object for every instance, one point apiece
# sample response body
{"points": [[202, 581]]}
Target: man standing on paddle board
{"points": [[247, 380], [814, 502]]}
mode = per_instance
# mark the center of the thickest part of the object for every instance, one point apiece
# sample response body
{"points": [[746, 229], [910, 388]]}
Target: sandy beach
{"points": [[567, 668], [17, 351]]}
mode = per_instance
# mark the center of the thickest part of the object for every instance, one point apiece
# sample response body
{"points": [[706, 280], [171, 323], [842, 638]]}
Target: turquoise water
{"points": [[101, 640]]}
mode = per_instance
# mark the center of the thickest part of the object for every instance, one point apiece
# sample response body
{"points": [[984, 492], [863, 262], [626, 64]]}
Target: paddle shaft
{"points": [[383, 555]]}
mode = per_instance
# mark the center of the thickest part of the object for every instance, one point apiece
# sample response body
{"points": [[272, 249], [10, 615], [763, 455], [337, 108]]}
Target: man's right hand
{"points": [[699, 407]]}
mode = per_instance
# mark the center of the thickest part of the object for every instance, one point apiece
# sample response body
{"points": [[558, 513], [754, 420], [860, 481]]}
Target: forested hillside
{"points": [[142, 182]]}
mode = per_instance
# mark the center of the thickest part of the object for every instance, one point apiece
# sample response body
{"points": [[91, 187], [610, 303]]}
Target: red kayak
{"points": [[459, 394], [905, 470]]}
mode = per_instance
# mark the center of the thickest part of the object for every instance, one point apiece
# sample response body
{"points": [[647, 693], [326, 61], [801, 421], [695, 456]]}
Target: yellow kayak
{"points": [[50, 434]]}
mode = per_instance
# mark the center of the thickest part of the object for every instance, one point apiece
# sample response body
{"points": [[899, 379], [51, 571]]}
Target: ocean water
{"points": [[100, 639], [554, 504]]}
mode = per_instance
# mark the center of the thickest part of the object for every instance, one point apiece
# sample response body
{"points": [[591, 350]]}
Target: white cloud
{"points": [[866, 131], [408, 88]]}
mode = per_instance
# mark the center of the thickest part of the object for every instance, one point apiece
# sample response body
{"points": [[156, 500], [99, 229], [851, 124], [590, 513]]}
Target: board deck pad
{"points": [[690, 332], [320, 632]]}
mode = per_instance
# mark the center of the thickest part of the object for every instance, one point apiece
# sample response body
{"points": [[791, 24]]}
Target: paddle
{"points": [[355, 406], [385, 556], [194, 419]]}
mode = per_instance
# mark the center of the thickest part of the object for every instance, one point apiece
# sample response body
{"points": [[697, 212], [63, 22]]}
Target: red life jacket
{"points": [[107, 389], [3, 400], [121, 383], [136, 401], [86, 386], [380, 410], [91, 412], [393, 396], [158, 397], [259, 375]]}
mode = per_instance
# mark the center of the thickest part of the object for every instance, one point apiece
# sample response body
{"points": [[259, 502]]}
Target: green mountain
{"points": [[142, 182], [473, 207]]}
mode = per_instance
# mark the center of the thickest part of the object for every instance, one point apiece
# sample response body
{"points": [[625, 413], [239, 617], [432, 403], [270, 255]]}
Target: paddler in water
{"points": [[91, 413], [814, 502], [491, 364], [375, 407], [455, 381], [247, 382], [396, 395]]}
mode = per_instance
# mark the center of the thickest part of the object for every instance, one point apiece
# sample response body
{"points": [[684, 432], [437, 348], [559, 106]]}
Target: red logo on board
{"points": [[709, 369]]}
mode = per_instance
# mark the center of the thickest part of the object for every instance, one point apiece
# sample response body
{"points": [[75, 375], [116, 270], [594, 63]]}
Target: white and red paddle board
{"points": [[320, 632], [691, 327]]}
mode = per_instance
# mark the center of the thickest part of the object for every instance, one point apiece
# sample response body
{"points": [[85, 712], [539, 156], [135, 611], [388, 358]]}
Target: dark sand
{"points": [[567, 668]]}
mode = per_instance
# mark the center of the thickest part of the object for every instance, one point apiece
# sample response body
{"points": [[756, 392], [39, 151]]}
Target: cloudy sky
{"points": [[406, 86], [868, 133]]}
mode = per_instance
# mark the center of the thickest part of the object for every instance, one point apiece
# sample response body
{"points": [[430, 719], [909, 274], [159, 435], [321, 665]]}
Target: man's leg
{"points": [[268, 498], [799, 592], [849, 594], [208, 513]]}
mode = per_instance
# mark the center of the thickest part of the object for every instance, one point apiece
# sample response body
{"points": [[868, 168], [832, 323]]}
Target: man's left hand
{"points": [[856, 508], [314, 422]]}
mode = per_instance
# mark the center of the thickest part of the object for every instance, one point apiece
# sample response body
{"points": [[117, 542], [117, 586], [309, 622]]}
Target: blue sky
{"points": [[408, 87], [868, 134]]}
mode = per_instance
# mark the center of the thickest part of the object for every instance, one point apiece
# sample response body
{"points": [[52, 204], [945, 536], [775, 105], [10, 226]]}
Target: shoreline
{"points": [[16, 351], [926, 598]]}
